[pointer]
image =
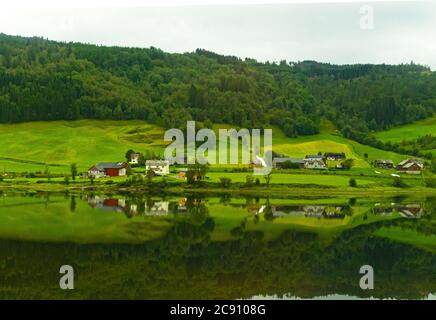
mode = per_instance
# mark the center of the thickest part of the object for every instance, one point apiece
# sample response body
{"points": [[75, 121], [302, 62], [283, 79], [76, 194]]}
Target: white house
{"points": [[159, 167], [134, 158], [314, 164], [159, 208]]}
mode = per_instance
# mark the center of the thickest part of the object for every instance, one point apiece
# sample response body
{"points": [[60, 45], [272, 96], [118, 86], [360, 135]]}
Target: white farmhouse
{"points": [[134, 158], [159, 167], [314, 164]]}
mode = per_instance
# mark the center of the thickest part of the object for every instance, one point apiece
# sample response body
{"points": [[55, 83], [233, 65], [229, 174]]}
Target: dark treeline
{"points": [[364, 98], [47, 80]]}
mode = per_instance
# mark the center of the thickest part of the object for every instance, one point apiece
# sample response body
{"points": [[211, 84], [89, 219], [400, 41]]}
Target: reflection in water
{"points": [[312, 211], [137, 206], [412, 211], [206, 248]]}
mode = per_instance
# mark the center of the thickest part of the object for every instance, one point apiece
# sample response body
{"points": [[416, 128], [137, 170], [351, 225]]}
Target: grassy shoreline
{"points": [[211, 188]]}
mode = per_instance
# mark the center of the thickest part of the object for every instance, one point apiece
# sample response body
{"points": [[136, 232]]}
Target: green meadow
{"points": [[329, 140], [409, 132], [32, 146], [284, 178]]}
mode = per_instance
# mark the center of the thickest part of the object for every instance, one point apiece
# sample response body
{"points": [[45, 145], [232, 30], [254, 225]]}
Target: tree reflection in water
{"points": [[186, 264]]}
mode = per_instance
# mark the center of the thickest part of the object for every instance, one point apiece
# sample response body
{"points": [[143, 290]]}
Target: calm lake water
{"points": [[192, 247]]}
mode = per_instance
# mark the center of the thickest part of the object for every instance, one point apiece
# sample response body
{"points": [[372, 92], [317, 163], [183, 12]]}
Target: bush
{"points": [[225, 182], [433, 165], [352, 182], [430, 183], [249, 180], [347, 164], [290, 165], [398, 183]]}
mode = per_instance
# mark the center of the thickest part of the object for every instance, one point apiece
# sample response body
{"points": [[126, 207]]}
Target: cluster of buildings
{"points": [[146, 208], [410, 166], [319, 162], [310, 211], [108, 169], [316, 162], [117, 169], [410, 211]]}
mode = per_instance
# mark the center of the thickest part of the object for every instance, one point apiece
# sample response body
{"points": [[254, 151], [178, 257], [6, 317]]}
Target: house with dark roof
{"points": [[108, 169], [315, 157], [334, 156], [384, 164]]}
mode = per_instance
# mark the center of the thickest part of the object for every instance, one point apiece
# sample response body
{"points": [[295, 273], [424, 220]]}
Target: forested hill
{"points": [[47, 80]]}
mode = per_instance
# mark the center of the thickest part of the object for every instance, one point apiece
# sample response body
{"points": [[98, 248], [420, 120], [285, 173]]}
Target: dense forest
{"points": [[48, 80]]}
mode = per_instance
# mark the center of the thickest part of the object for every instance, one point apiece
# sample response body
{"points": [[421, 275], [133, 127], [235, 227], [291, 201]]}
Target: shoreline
{"points": [[280, 190]]}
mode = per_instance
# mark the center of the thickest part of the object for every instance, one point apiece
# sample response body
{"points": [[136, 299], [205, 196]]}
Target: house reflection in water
{"points": [[157, 208], [312, 211], [181, 206], [184, 204], [380, 210], [108, 204], [410, 211]]}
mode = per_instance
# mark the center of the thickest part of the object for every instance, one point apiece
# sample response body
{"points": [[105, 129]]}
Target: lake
{"points": [[215, 247]]}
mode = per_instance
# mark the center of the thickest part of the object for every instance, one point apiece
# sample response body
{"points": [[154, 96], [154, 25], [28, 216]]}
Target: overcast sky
{"points": [[328, 32]]}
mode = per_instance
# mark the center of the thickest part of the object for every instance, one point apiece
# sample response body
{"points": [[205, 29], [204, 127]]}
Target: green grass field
{"points": [[330, 141], [409, 132], [29, 146], [289, 178]]}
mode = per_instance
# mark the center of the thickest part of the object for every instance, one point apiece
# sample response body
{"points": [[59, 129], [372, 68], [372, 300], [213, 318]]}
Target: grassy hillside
{"points": [[418, 138], [409, 132], [329, 140], [30, 147], [33, 145]]}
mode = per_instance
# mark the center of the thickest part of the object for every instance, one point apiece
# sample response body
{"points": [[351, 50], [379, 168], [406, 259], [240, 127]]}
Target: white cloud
{"points": [[160, 3], [324, 32]]}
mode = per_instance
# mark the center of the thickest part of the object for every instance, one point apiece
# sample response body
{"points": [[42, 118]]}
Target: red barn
{"points": [[108, 169]]}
